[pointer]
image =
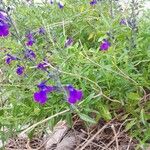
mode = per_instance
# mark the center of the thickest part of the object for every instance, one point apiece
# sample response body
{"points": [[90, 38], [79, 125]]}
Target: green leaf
{"points": [[1, 112], [87, 118], [91, 110], [130, 124], [142, 116], [105, 113], [91, 36], [133, 96], [102, 38], [105, 20], [69, 119]]}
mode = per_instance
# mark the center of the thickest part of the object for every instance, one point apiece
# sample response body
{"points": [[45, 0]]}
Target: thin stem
{"points": [[45, 120], [76, 75], [120, 74], [98, 90], [111, 8]]}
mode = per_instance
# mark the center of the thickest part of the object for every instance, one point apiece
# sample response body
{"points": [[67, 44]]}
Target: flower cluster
{"points": [[28, 54], [9, 59], [4, 26], [41, 96]]}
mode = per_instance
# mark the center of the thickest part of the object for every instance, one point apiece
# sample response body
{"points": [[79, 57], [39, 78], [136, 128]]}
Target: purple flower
{"points": [[42, 66], [41, 95], [30, 42], [29, 54], [51, 1], [9, 59], [29, 35], [42, 86], [105, 45], [60, 5], [3, 15], [123, 22], [31, 39], [69, 42], [93, 2], [20, 70], [42, 31], [4, 28], [74, 95]]}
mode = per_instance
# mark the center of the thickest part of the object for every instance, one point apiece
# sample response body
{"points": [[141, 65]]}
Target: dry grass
{"points": [[103, 136]]}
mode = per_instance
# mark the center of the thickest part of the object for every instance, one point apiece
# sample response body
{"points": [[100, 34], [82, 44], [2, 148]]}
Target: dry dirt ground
{"points": [[103, 136]]}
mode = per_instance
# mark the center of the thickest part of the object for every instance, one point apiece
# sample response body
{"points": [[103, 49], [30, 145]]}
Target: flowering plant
{"points": [[81, 56]]}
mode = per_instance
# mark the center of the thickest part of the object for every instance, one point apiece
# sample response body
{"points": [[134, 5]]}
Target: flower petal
{"points": [[43, 87], [105, 45], [93, 2], [69, 42], [20, 70], [29, 54], [40, 97], [74, 95], [4, 28], [42, 31], [79, 95]]}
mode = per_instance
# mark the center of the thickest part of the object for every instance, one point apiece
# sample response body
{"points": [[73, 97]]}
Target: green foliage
{"points": [[114, 80]]}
